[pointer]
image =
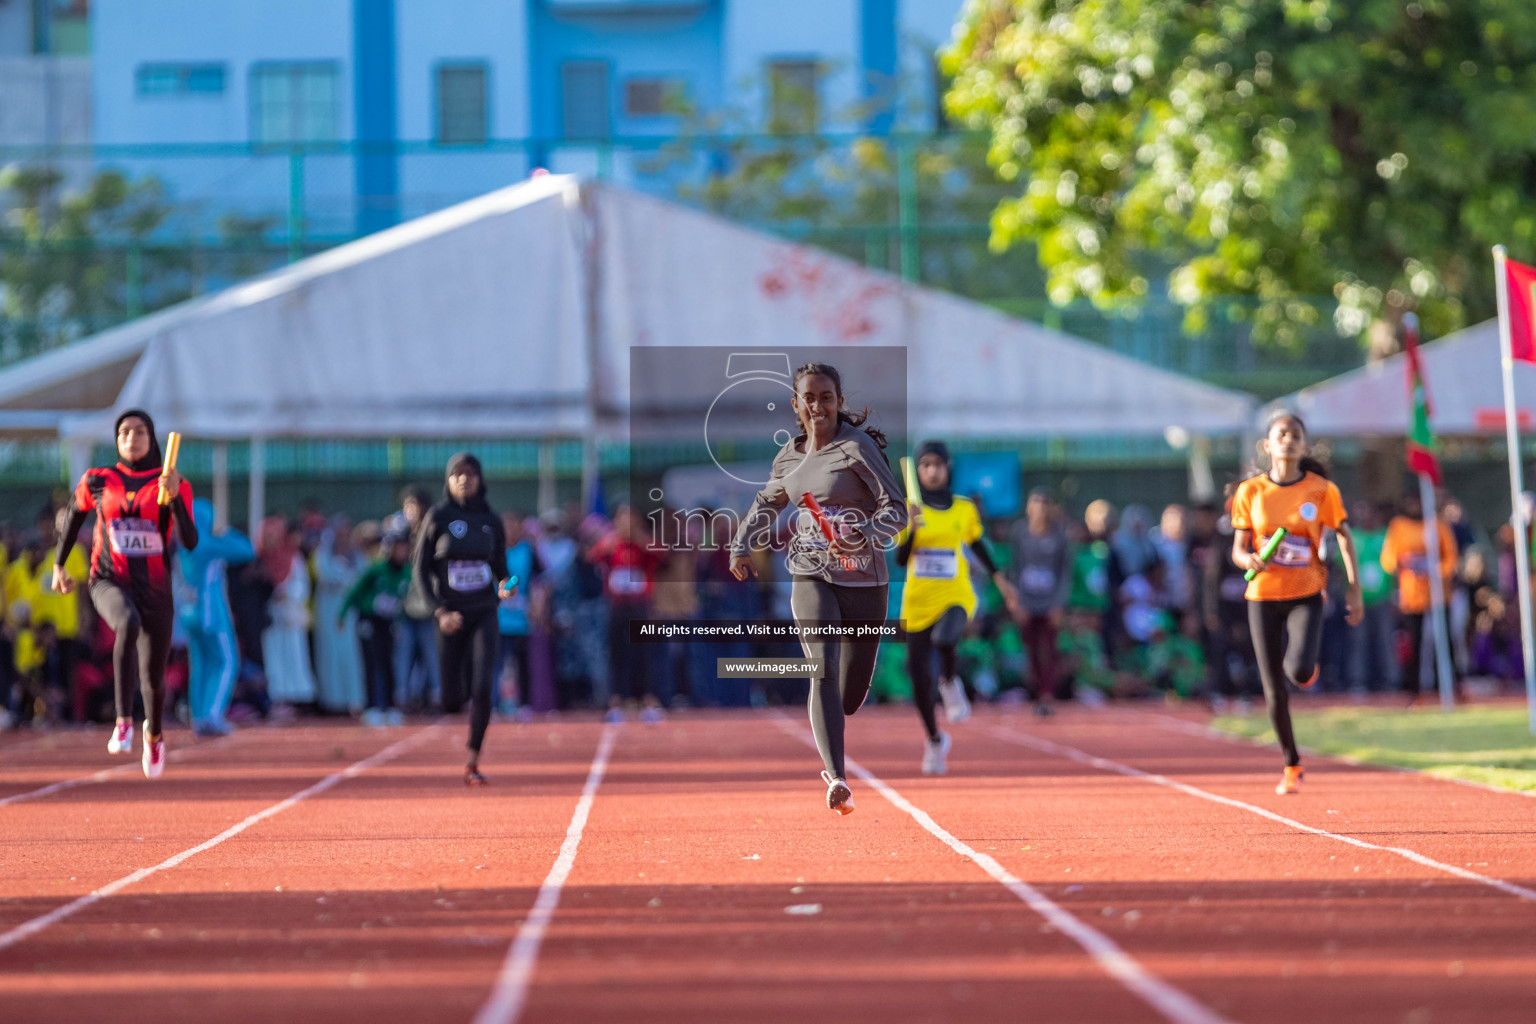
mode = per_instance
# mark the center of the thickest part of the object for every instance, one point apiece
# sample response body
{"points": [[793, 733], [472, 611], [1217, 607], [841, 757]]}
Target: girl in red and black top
{"points": [[130, 582]]}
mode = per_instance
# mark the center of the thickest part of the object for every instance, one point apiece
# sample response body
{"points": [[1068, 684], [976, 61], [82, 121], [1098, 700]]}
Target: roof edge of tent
{"points": [[57, 366], [502, 200]]}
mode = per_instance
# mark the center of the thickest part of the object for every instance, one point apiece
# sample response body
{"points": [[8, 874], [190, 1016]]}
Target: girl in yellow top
{"points": [[1285, 597], [938, 598]]}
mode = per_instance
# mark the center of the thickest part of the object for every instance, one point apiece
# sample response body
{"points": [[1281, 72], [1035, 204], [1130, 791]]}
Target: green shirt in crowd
{"points": [[1375, 582], [380, 590], [1090, 577]]}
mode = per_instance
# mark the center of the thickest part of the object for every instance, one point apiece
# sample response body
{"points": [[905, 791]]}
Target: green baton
{"points": [[1268, 552]]}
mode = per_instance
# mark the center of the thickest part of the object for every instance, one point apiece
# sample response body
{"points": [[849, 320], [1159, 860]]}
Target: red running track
{"points": [[1098, 866]]}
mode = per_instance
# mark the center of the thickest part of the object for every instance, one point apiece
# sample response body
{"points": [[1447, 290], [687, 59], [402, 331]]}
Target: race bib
{"points": [[626, 579], [1294, 552], [467, 577], [935, 563], [135, 538], [386, 605], [1037, 579], [1371, 576], [1097, 581]]}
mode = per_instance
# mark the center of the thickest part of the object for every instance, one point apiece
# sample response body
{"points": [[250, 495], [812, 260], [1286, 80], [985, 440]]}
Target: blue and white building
{"points": [[402, 106]]}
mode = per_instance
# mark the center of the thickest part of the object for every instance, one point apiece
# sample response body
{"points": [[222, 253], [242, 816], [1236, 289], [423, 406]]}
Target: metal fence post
{"points": [[134, 283], [295, 204], [906, 208]]}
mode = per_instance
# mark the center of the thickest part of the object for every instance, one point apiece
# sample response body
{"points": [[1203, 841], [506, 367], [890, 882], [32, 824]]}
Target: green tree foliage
{"points": [[1369, 150], [64, 255]]}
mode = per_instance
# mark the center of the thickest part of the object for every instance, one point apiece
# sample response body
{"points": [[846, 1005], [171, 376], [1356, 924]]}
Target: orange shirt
{"points": [[1405, 553], [1305, 508]]}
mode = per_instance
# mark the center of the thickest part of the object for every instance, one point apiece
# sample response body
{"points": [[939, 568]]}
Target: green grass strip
{"points": [[1493, 746]]}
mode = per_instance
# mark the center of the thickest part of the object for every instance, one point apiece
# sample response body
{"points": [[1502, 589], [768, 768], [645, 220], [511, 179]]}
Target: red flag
{"points": [[1522, 310], [1423, 458]]}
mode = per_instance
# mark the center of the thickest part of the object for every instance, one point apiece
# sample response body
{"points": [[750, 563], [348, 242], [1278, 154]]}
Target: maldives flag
{"points": [[1522, 310], [1422, 457]]}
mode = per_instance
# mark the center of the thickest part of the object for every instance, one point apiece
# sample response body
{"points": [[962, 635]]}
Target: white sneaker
{"points": [[394, 716], [615, 716], [375, 718], [934, 754], [839, 796], [122, 739], [154, 757], [957, 707], [652, 716]]}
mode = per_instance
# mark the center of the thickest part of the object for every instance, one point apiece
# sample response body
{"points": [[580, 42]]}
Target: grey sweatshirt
{"points": [[854, 485], [1042, 565]]}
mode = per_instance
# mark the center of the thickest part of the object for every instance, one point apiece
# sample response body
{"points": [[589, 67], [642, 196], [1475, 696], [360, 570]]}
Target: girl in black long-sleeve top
{"points": [[460, 572]]}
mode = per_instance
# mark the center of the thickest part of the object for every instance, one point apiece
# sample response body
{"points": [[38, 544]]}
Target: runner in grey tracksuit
{"points": [[851, 479], [1042, 560]]}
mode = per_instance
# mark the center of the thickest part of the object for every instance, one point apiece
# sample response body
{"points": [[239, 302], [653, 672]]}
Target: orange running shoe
{"points": [[1312, 679], [839, 796], [1290, 782]]}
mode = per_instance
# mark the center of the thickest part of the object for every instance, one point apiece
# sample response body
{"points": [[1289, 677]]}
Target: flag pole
{"points": [[1431, 520], [1436, 592], [1516, 487]]}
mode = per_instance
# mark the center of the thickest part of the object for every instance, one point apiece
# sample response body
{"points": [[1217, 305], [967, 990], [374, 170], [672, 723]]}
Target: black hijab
{"points": [[464, 460], [942, 497], [152, 459]]}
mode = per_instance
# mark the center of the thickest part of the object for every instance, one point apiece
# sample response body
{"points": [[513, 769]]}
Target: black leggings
{"points": [[140, 650], [850, 664], [376, 636], [467, 659], [1272, 623], [1413, 623], [943, 635]]}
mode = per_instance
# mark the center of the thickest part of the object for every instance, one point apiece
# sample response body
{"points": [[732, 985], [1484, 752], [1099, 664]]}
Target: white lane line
{"points": [[1104, 764], [1173, 1004], [510, 995], [1210, 732], [37, 924], [107, 773]]}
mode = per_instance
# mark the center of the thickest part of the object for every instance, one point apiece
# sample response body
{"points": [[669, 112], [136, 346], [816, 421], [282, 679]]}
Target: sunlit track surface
{"points": [[711, 883]]}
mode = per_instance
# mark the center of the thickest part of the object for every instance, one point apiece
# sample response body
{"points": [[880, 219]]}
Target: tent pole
{"points": [[258, 507], [78, 453], [1202, 485], [221, 485]]}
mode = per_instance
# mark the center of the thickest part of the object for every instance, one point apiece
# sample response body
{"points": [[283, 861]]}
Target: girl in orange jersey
{"points": [[1285, 597]]}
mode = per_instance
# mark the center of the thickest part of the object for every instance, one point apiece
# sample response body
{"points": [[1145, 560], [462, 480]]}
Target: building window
{"points": [[792, 99], [653, 97], [293, 103], [461, 108], [180, 79], [584, 99]]}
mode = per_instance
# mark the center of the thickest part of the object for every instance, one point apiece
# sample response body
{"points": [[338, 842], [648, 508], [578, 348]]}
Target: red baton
{"points": [[826, 527]]}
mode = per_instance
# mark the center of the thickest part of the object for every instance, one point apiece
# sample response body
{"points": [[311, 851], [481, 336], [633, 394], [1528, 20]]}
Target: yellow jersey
{"points": [[938, 576]]}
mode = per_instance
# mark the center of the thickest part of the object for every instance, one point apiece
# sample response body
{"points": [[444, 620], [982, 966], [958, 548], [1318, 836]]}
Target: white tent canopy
{"points": [[514, 314], [1466, 391]]}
